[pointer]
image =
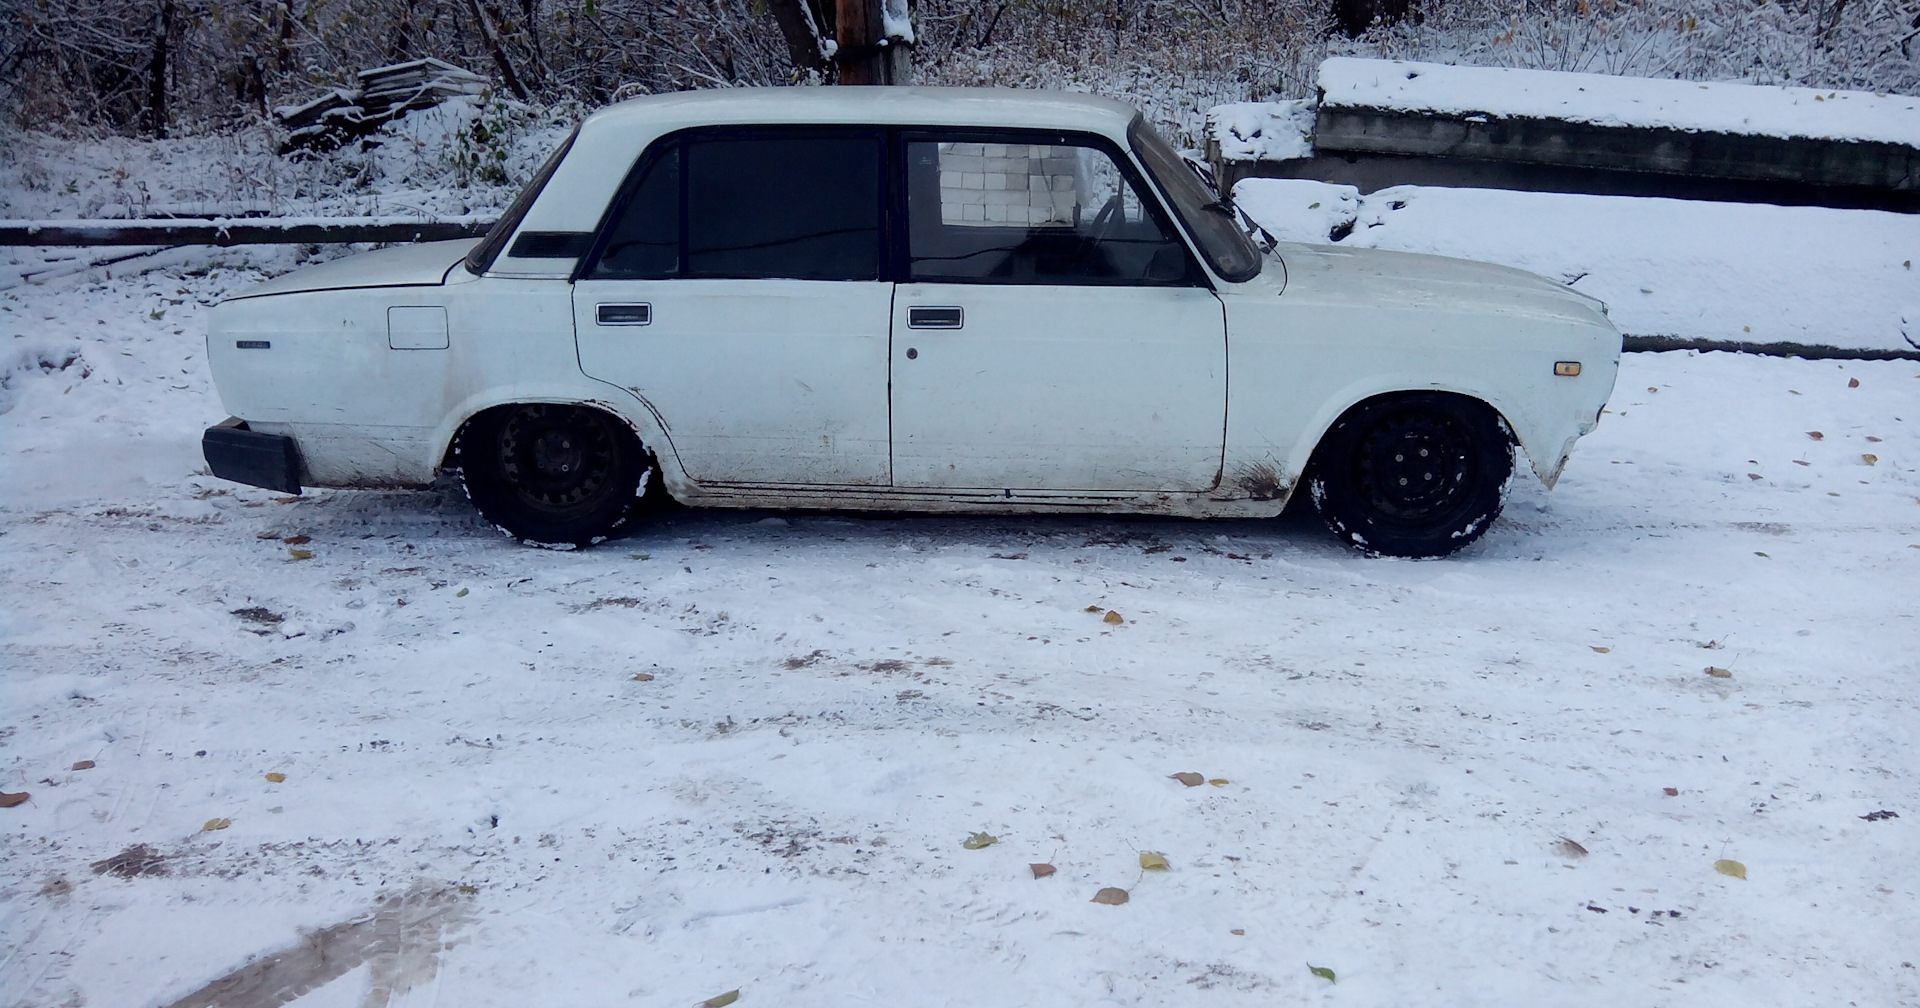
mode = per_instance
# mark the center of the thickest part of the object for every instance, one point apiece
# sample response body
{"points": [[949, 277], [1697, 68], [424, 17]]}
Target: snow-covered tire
{"points": [[1415, 475], [551, 474]]}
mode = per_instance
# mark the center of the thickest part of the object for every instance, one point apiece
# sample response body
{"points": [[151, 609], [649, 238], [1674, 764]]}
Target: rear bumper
{"points": [[237, 453]]}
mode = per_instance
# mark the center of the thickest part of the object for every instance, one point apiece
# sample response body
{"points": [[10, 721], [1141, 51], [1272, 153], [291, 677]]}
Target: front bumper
{"points": [[237, 453]]}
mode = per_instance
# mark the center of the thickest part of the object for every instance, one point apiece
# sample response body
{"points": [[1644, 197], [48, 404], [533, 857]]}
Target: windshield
{"points": [[481, 258], [1227, 248]]}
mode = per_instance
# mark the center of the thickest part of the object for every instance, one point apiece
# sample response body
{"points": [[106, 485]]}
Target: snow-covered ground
{"points": [[466, 156], [741, 751], [1698, 271]]}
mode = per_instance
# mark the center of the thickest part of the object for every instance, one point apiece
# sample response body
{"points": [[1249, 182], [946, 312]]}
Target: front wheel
{"points": [[551, 474], [1417, 475]]}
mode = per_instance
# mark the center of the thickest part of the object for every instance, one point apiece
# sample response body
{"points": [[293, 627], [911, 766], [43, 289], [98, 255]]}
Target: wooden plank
{"points": [[249, 231]]}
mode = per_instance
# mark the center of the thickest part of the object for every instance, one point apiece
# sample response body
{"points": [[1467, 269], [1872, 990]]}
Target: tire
{"points": [[550, 474], [1417, 475]]}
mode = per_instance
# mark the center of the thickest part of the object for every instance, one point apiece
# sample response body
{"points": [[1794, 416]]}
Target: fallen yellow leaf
{"points": [[1113, 618], [1869, 458], [1151, 861], [1219, 782], [722, 1000], [276, 778], [1733, 868], [216, 824], [300, 554], [976, 841]]}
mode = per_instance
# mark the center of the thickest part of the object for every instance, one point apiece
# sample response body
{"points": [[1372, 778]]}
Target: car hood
{"points": [[423, 265], [1381, 278]]}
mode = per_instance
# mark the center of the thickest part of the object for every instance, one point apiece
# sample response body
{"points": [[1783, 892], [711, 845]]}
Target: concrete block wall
{"points": [[988, 183]]}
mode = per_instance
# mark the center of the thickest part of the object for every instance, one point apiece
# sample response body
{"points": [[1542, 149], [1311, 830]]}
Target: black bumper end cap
{"points": [[269, 461]]}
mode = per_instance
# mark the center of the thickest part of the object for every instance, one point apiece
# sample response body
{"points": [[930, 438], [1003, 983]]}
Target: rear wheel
{"points": [[1418, 475], [551, 474]]}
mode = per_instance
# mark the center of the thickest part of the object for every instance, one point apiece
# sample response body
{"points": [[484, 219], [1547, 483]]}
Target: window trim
{"points": [[673, 144], [1149, 195]]}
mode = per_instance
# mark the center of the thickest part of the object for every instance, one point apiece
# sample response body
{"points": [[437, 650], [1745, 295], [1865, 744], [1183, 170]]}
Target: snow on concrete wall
{"points": [[1605, 100]]}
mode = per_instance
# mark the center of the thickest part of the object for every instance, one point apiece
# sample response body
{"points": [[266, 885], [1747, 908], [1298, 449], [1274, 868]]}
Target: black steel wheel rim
{"points": [[556, 460], [1414, 465]]}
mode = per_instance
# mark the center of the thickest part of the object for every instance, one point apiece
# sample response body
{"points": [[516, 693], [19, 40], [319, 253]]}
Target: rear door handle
{"points": [[623, 314], [947, 317]]}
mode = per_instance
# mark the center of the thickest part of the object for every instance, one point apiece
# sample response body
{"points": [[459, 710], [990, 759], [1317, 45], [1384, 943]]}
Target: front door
{"points": [[1052, 332], [739, 293]]}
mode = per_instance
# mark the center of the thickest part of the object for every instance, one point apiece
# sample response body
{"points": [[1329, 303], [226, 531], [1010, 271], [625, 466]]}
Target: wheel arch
{"points": [[646, 428], [1326, 425], [1529, 433]]}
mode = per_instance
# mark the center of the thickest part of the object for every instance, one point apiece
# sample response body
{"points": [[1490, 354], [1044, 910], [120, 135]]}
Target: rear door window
{"points": [[793, 204]]}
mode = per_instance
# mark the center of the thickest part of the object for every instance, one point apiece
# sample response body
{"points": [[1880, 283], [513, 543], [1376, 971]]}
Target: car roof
{"points": [[901, 106]]}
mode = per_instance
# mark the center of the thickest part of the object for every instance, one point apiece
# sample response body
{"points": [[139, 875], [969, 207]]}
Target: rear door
{"points": [[738, 292]]}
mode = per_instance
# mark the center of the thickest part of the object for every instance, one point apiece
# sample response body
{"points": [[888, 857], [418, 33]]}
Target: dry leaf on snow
{"points": [[1219, 782], [1189, 778], [1870, 458], [1111, 896], [1152, 861], [85, 764], [1322, 972], [300, 554], [643, 677], [1041, 870], [976, 841], [276, 778], [10, 800], [1670, 791], [297, 540], [1733, 868], [1816, 435], [722, 1000], [1600, 650], [1113, 618], [1719, 673], [216, 824], [1569, 847]]}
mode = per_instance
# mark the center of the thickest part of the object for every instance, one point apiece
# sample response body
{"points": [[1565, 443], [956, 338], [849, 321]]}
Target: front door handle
{"points": [[947, 317], [623, 314]]}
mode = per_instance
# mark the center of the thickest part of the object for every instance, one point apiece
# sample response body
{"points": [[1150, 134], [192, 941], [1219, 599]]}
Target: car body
{"points": [[905, 299]]}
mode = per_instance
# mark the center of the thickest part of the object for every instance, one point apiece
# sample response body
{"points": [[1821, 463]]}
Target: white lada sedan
{"points": [[905, 299]]}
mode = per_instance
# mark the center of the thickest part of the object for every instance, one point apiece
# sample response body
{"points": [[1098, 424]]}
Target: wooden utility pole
{"points": [[857, 25]]}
